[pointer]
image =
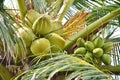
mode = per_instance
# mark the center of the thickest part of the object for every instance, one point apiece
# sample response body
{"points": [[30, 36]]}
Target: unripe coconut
{"points": [[108, 46], [88, 56], [57, 42], [106, 59], [57, 27], [98, 52], [80, 42], [40, 46], [42, 25], [26, 35], [99, 42], [31, 16], [80, 50], [89, 46], [93, 37]]}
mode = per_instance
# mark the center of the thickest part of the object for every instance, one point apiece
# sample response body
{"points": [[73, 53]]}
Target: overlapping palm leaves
{"points": [[53, 10], [63, 67]]}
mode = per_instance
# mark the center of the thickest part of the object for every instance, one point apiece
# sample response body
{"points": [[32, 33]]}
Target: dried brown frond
{"points": [[74, 24]]}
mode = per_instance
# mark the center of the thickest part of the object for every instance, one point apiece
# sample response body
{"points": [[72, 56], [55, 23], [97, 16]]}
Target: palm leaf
{"points": [[1, 4], [9, 37], [40, 6], [4, 73], [73, 67], [115, 39]]}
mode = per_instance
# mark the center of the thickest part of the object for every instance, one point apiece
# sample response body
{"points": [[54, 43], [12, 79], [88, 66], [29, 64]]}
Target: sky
{"points": [[10, 4]]}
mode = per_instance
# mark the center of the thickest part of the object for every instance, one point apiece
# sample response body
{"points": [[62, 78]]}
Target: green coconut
{"points": [[57, 27], [99, 42], [89, 46], [106, 59], [57, 42], [108, 46], [88, 56], [42, 25], [40, 46], [80, 42], [80, 50], [29, 16], [98, 52]]}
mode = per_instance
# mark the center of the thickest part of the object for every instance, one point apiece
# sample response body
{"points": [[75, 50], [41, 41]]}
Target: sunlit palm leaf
{"points": [[73, 67], [40, 5], [98, 8], [9, 37], [49, 68], [48, 6]]}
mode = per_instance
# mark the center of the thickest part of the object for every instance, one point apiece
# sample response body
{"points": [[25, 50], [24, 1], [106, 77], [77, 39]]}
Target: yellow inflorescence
{"points": [[74, 24]]}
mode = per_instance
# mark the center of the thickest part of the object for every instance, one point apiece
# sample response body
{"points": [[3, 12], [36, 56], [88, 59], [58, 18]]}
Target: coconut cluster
{"points": [[42, 34], [96, 50]]}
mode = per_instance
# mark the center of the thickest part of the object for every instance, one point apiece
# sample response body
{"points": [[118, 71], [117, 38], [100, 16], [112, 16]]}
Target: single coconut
{"points": [[98, 52], [40, 46], [57, 42]]}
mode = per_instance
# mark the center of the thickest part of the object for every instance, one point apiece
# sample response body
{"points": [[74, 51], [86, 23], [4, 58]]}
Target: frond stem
{"points": [[66, 5], [22, 8], [93, 26]]}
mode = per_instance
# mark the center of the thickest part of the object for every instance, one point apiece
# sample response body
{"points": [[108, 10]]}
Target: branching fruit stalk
{"points": [[66, 5], [90, 28], [22, 8]]}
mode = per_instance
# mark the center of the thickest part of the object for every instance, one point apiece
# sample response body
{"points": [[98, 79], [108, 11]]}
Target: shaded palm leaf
{"points": [[4, 73], [115, 39], [73, 67], [1, 4]]}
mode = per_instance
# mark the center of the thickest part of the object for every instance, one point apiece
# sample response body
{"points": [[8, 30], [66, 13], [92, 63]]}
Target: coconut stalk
{"points": [[22, 8], [90, 28], [113, 69], [66, 5]]}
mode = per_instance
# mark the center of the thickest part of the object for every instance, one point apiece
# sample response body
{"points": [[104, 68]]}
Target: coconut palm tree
{"points": [[83, 19]]}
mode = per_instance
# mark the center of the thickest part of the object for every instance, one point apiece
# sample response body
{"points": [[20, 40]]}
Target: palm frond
{"points": [[4, 73], [9, 37], [97, 10], [6, 38], [115, 39], [51, 7], [1, 4], [70, 66], [115, 53], [40, 6], [93, 26]]}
